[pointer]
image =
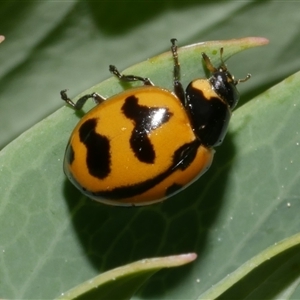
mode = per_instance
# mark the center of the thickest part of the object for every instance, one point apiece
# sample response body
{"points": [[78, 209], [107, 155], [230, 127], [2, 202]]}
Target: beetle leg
{"points": [[81, 101], [129, 78], [178, 88]]}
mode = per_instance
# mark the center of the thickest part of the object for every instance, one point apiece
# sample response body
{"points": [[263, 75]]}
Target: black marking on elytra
{"points": [[175, 187], [182, 158], [146, 119], [185, 156], [209, 117], [98, 158], [70, 154]]}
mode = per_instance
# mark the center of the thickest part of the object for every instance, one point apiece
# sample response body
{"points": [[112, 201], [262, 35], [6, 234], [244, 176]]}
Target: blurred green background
{"points": [[52, 45]]}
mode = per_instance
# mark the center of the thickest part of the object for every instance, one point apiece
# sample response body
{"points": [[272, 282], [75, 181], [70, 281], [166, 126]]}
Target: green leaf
{"points": [[160, 67], [228, 217], [57, 232], [122, 283], [278, 263]]}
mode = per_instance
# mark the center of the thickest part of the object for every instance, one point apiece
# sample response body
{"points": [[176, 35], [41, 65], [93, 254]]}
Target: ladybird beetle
{"points": [[147, 143]]}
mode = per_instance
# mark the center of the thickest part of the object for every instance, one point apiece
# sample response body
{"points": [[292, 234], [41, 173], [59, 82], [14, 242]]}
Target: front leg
{"points": [[129, 78], [81, 101], [178, 88]]}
